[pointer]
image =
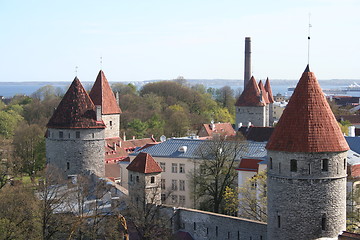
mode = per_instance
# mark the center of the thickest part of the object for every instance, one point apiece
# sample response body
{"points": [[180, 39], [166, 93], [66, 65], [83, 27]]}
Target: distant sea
{"points": [[9, 89]]}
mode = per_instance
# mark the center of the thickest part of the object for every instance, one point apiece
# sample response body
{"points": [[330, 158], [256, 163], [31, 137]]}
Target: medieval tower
{"points": [[144, 180], [307, 168], [75, 137], [271, 101], [102, 95], [252, 106]]}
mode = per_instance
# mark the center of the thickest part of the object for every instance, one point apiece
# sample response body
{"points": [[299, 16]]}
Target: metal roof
{"points": [[172, 149], [354, 143]]}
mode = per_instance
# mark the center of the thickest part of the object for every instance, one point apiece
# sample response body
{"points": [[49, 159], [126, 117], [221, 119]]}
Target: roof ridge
{"points": [[251, 95]]}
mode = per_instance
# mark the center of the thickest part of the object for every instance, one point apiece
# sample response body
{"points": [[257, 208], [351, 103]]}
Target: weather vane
{"points": [[76, 70], [309, 39], [100, 62]]}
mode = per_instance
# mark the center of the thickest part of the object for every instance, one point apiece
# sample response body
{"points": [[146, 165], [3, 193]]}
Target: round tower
{"points": [[75, 137], [307, 168]]}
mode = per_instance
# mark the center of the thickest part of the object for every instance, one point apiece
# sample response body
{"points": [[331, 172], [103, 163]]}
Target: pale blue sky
{"points": [[162, 39]]}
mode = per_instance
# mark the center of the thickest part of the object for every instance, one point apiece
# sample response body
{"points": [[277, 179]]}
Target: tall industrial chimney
{"points": [[247, 65]]}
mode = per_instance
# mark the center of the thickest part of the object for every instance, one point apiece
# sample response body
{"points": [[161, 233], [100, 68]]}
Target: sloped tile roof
{"points": [[249, 165], [251, 95], [269, 91], [112, 170], [101, 94], [144, 163], [170, 149], [307, 124], [76, 110], [217, 128], [264, 94], [259, 134]]}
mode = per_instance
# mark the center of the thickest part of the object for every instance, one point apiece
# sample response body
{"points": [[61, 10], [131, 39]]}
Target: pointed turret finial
{"points": [[307, 69]]}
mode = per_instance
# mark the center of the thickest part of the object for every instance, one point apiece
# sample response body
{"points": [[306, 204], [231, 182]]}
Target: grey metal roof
{"points": [[353, 158], [170, 149], [354, 143]]}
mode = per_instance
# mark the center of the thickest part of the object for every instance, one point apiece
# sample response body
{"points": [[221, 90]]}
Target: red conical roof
{"points": [[251, 95], [263, 92], [307, 124], [76, 110], [144, 163], [269, 91], [101, 94]]}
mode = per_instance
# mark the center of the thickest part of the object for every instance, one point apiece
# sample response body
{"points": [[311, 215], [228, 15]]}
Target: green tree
{"points": [[138, 127], [8, 123], [253, 198], [29, 146]]}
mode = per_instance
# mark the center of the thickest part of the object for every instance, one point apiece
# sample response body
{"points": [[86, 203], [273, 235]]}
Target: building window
{"points": [[293, 165], [61, 134], [162, 183], [67, 165], [323, 222], [77, 134], [93, 135], [278, 221], [163, 197], [174, 168], [309, 168], [174, 198], [110, 123], [69, 135], [344, 163], [279, 167], [174, 185], [162, 165], [137, 178], [182, 185], [131, 177], [271, 164], [182, 200], [194, 225], [325, 165], [182, 168], [152, 180]]}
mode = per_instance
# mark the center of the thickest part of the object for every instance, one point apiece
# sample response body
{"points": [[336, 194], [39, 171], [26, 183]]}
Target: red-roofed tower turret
{"points": [[102, 95], [307, 168], [251, 106], [75, 137], [271, 101], [144, 180]]}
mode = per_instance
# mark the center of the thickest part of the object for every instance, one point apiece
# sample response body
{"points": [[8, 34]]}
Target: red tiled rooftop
{"points": [[101, 94], [264, 94], [144, 163], [76, 110], [269, 91], [307, 124], [216, 128], [251, 95], [248, 164]]}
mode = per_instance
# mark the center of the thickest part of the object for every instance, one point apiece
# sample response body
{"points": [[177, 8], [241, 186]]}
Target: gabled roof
{"points": [[269, 91], [263, 92], [307, 124], [101, 94], [223, 129], [144, 163], [76, 110], [251, 95]]}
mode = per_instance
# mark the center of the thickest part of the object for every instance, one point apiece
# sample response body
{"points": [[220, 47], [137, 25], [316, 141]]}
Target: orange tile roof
{"points": [[263, 92], [144, 163], [76, 110], [269, 91], [216, 128], [251, 95], [307, 124], [101, 94]]}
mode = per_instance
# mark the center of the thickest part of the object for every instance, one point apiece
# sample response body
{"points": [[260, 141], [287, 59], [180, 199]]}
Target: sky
{"points": [[163, 39]]}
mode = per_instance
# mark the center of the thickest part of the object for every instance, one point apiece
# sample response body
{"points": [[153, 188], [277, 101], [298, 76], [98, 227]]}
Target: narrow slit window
{"points": [[279, 167], [325, 165], [323, 222], [271, 163], [293, 165], [67, 165], [278, 221], [194, 225], [344, 163], [77, 134]]}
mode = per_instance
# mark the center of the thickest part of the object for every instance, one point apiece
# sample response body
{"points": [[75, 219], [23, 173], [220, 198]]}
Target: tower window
{"points": [[131, 177], [323, 222], [152, 180], [293, 165], [77, 134], [325, 165], [194, 225], [271, 164], [216, 230], [344, 163], [279, 167], [278, 221], [110, 123], [67, 165], [93, 135], [309, 168], [137, 178], [61, 134]]}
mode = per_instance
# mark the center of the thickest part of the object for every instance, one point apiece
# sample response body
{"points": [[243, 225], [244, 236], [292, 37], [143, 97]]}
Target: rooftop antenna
{"points": [[100, 62], [76, 70], [309, 39]]}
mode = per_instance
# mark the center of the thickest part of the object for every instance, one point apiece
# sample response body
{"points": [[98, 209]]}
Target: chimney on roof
{"points": [[351, 131], [124, 136], [98, 113], [114, 146], [240, 125], [249, 124], [247, 63]]}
